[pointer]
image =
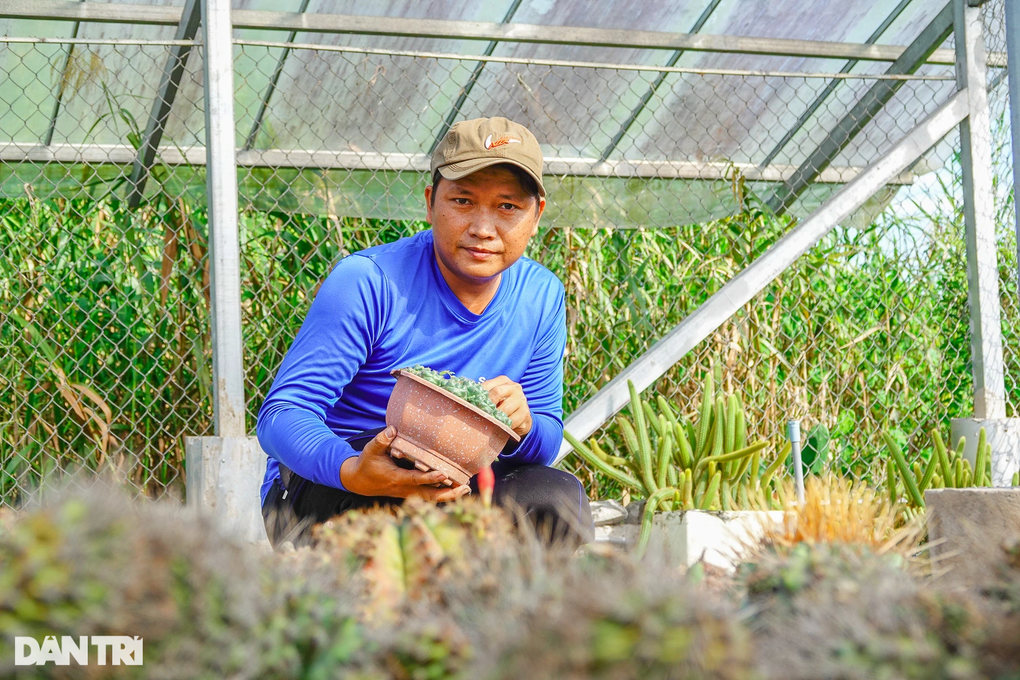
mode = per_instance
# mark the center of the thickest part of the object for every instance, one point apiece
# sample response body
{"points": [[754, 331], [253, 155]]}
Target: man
{"points": [[458, 297]]}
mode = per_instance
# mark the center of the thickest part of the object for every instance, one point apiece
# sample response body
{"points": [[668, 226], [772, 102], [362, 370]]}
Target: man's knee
{"points": [[546, 493]]}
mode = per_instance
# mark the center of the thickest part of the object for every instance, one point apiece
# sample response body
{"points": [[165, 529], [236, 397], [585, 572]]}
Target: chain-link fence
{"points": [[104, 331], [663, 182]]}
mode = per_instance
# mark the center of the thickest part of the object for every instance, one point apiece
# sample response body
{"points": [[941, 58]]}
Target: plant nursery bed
{"points": [[720, 539]]}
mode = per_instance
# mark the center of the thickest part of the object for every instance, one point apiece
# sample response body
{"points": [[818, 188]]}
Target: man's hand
{"points": [[374, 473], [509, 397]]}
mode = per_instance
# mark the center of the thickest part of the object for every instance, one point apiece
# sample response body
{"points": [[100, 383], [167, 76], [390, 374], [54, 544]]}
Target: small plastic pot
{"points": [[440, 431]]}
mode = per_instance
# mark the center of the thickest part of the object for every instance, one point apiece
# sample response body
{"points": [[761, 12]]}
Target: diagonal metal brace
{"points": [[831, 86], [655, 85], [274, 80], [465, 91], [873, 101], [187, 29], [742, 288]]}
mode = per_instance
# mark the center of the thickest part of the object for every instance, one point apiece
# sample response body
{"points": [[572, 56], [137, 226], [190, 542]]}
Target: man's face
{"points": [[481, 223]]}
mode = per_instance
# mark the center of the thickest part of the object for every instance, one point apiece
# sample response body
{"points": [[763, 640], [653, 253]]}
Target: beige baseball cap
{"points": [[471, 145]]}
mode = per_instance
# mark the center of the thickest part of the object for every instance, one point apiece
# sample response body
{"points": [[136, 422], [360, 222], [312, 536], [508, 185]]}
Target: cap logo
{"points": [[502, 141]]}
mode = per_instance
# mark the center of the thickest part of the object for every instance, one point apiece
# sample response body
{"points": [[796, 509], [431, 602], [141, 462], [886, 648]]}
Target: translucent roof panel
{"points": [[396, 105]]}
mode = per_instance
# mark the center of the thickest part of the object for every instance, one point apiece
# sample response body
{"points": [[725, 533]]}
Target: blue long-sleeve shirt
{"points": [[389, 307]]}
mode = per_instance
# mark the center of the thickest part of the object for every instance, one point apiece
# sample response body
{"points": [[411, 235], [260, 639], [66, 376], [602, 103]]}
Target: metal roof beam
{"points": [[170, 82], [933, 35], [470, 85], [653, 88], [256, 125], [831, 86], [123, 154], [742, 288], [472, 30]]}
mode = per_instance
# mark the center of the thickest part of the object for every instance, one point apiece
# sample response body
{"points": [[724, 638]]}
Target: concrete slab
{"points": [[967, 529], [224, 475], [1004, 436], [608, 512], [721, 539]]}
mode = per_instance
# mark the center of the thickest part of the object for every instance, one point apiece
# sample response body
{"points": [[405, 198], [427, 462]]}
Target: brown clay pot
{"points": [[440, 431]]}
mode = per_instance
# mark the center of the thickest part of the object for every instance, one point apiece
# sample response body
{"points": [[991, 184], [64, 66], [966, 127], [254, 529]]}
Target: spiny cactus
{"points": [[1002, 607], [426, 646], [706, 465], [845, 512], [678, 465], [465, 388], [95, 563], [838, 611], [404, 553], [945, 469], [620, 623]]}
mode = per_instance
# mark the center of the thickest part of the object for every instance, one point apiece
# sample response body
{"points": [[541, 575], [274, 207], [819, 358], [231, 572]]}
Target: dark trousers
{"points": [[554, 502]]}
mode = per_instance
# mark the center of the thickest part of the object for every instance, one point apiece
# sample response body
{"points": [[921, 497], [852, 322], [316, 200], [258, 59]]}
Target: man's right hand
{"points": [[374, 473]]}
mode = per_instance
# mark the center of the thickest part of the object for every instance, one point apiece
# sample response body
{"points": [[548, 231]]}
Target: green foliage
{"points": [[465, 388], [816, 449], [107, 310]]}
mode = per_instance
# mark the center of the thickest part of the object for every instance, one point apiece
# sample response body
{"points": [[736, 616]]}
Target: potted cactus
{"points": [[697, 478], [446, 422]]}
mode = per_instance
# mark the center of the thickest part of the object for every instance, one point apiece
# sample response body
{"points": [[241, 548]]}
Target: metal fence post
{"points": [[1013, 69], [979, 213], [224, 248]]}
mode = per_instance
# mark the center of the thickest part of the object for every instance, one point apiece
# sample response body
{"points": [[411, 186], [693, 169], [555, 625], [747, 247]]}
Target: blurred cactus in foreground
{"points": [[457, 592]]}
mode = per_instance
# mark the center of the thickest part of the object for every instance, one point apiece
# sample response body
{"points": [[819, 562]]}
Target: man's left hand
{"points": [[509, 397]]}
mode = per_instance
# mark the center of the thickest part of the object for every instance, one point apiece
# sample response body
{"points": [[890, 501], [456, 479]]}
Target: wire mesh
{"points": [[104, 333], [662, 182]]}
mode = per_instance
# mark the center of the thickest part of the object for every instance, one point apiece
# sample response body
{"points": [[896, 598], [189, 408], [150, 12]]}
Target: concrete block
{"points": [[622, 536], [608, 512], [224, 475], [1004, 436], [720, 539], [967, 529]]}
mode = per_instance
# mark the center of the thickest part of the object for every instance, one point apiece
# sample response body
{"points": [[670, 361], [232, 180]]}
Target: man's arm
{"points": [[336, 338], [543, 387], [334, 341]]}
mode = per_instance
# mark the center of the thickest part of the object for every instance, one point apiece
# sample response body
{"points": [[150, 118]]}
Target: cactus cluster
{"points": [[946, 469], [846, 512], [93, 563], [405, 553], [477, 600], [465, 388], [620, 623], [677, 464], [839, 611]]}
